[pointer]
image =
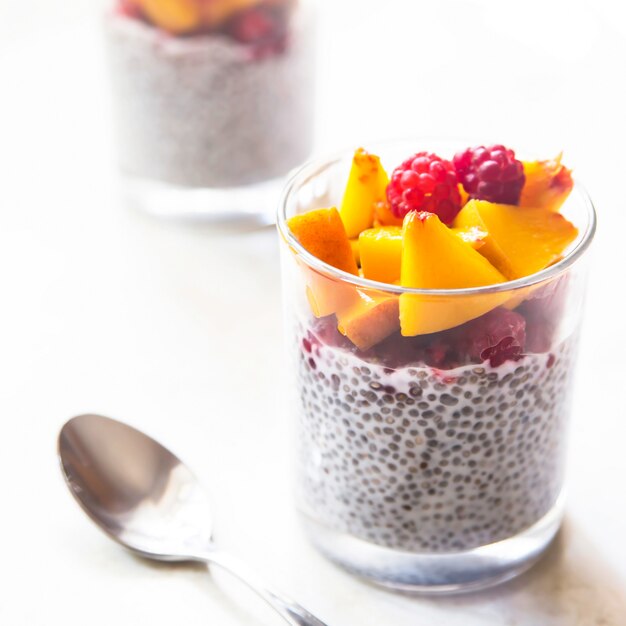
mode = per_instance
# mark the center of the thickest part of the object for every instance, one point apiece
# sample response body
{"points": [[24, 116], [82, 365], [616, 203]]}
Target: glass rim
{"points": [[314, 166]]}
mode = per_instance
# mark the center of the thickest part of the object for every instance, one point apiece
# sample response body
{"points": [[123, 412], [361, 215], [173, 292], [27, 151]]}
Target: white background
{"points": [[177, 329]]}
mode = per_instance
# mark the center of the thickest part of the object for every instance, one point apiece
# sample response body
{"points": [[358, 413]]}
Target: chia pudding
{"points": [[430, 460], [223, 105]]}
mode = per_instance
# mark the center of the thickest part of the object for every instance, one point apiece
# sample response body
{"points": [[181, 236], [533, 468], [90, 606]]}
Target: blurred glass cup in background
{"points": [[213, 102]]}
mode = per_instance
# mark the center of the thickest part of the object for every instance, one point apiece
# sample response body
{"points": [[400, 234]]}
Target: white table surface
{"points": [[177, 329]]}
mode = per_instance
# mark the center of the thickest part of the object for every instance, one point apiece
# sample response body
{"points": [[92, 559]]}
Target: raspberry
{"points": [[497, 336], [425, 182], [492, 174], [539, 335], [257, 26], [129, 9], [324, 332], [543, 310]]}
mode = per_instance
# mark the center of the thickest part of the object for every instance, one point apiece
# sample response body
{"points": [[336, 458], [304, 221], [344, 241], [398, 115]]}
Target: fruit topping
{"points": [[425, 182], [433, 257], [260, 24], [520, 241], [388, 240], [548, 184], [491, 173], [366, 186]]}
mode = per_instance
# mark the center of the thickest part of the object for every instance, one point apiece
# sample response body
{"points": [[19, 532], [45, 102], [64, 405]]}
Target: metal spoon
{"points": [[146, 499]]}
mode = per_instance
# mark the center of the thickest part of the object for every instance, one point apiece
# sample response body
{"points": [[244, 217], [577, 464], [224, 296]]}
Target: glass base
{"points": [[245, 206], [447, 573]]}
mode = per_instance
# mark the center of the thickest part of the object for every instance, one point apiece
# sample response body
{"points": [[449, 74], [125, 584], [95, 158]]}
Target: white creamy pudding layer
{"points": [[428, 460], [202, 111]]}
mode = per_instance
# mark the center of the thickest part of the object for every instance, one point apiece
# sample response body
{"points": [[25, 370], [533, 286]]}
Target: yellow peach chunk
{"points": [[469, 217], [444, 260], [547, 184], [433, 257], [383, 215], [175, 16], [473, 235], [369, 320], [381, 253], [520, 241], [367, 185]]}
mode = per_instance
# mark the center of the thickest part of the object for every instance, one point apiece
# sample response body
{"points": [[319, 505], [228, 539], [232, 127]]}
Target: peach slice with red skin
{"points": [[433, 257], [547, 185], [370, 319], [520, 241], [321, 233], [367, 185]]}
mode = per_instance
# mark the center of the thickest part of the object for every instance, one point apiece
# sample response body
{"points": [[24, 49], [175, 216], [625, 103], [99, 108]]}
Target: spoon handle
{"points": [[290, 611]]}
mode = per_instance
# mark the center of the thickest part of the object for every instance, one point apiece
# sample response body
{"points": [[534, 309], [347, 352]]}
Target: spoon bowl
{"points": [[145, 498], [135, 489]]}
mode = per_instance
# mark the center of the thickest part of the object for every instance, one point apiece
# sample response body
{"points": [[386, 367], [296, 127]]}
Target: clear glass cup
{"points": [[211, 115], [419, 468]]}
